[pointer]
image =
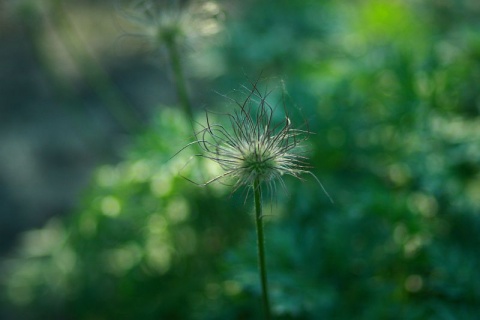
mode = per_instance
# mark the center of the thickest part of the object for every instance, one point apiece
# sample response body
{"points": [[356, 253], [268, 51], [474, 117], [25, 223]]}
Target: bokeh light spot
{"points": [[414, 283], [110, 206]]}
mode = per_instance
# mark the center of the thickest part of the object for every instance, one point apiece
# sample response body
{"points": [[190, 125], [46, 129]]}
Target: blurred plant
{"points": [[157, 239], [256, 151], [173, 25]]}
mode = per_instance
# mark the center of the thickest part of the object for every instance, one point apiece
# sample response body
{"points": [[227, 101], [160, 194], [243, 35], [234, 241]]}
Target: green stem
{"points": [[178, 78], [261, 247]]}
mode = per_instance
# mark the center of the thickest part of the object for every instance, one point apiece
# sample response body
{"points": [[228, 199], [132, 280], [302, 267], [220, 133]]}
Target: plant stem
{"points": [[178, 78], [261, 247]]}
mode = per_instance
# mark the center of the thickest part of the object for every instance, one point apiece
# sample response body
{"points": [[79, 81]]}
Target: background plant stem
{"points": [[261, 248], [179, 78]]}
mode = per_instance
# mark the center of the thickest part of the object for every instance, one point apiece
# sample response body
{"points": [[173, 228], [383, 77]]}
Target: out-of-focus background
{"points": [[96, 221]]}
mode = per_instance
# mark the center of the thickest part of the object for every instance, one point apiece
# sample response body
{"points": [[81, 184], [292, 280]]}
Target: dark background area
{"points": [[65, 108]]}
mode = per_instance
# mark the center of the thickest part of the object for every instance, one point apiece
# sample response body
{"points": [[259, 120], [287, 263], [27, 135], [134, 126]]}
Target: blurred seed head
{"points": [[164, 22]]}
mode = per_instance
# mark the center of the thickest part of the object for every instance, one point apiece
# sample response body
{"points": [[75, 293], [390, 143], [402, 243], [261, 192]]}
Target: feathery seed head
{"points": [[255, 147], [185, 23]]}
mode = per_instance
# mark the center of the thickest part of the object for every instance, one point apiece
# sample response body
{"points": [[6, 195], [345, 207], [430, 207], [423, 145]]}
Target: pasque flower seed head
{"points": [[254, 150], [185, 23], [255, 147]]}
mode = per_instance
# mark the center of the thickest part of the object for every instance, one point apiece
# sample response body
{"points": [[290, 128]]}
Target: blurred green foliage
{"points": [[391, 90]]}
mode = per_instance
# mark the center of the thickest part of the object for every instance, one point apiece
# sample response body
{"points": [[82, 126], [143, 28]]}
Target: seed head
{"points": [[185, 23], [255, 147]]}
